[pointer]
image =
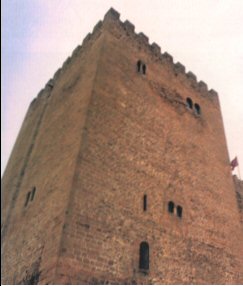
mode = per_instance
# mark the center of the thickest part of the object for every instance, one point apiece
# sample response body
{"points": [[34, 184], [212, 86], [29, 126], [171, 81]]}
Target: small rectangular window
{"points": [[145, 202], [179, 211], [144, 256], [171, 206]]}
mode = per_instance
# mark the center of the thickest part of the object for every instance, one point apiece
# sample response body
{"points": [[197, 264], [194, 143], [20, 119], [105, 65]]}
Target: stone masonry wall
{"points": [[239, 195], [140, 138], [98, 138], [44, 158]]}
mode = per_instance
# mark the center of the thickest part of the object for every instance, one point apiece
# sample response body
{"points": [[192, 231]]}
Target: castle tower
{"points": [[120, 173]]}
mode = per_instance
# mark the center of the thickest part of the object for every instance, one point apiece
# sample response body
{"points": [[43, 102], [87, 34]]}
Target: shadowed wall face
{"points": [[122, 121], [44, 158]]}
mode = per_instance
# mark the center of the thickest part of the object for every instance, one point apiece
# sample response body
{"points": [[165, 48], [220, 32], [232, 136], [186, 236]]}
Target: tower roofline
{"points": [[120, 173], [112, 17]]}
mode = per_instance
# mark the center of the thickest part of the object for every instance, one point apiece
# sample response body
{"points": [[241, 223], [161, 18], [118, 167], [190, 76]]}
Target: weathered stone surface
{"points": [[97, 142], [239, 195]]}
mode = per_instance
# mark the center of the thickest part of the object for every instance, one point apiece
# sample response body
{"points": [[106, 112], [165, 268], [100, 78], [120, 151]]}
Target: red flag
{"points": [[234, 163]]}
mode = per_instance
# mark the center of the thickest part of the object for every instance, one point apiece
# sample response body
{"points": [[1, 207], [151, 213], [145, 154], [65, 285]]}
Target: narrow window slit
{"points": [[27, 199], [145, 202], [179, 211], [144, 69], [171, 206], [197, 108], [33, 194], [139, 63], [189, 103]]}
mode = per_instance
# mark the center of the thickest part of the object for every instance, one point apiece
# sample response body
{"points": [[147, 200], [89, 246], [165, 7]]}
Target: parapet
{"points": [[112, 14], [129, 26], [155, 49], [143, 38], [113, 17], [179, 68], [167, 57]]}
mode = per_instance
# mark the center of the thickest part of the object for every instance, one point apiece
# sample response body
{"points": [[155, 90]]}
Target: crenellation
{"points": [[179, 68], [41, 92], [50, 84], [167, 57], [202, 86], [156, 49], [192, 78], [76, 51], [143, 38], [97, 27], [46, 91], [112, 14], [86, 39], [66, 63], [213, 93], [129, 26], [57, 74], [125, 123]]}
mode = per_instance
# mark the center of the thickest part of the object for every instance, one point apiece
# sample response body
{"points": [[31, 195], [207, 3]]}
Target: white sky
{"points": [[204, 35]]}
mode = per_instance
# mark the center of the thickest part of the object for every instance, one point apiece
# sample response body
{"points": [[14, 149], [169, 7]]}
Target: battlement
{"points": [[113, 17], [178, 68], [119, 163]]}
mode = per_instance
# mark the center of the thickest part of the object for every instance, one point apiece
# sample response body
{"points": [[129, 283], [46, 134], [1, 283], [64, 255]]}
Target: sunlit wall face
{"points": [[205, 35]]}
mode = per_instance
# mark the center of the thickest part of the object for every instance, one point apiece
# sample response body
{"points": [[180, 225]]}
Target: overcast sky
{"points": [[204, 35]]}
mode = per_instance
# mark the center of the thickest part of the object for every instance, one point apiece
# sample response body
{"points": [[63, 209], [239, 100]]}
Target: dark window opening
{"points": [[189, 103], [144, 69], [179, 211], [171, 206], [144, 256], [33, 194], [145, 202], [139, 63], [30, 196], [27, 199], [197, 108]]}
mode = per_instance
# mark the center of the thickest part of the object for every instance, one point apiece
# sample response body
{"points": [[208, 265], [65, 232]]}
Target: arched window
{"points": [[171, 206], [144, 69], [189, 103], [144, 256], [179, 211], [197, 108], [139, 63], [145, 202]]}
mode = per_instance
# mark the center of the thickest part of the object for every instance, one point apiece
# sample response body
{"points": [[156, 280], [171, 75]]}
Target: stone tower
{"points": [[120, 173]]}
